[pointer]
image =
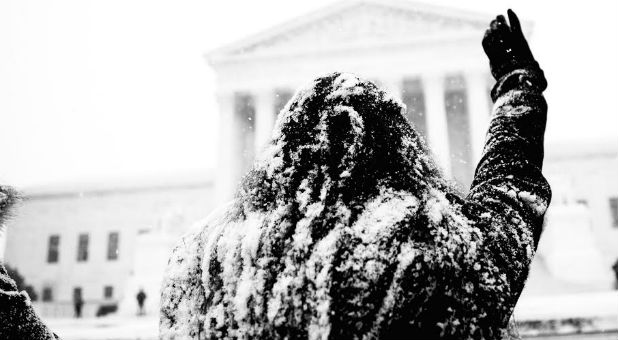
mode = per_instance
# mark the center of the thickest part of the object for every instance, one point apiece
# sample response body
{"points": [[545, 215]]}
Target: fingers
{"points": [[519, 37], [497, 39], [501, 21], [499, 24], [505, 45], [493, 24], [514, 21], [494, 35]]}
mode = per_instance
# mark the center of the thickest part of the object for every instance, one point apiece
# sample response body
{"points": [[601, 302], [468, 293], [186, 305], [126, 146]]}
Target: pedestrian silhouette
{"points": [[141, 297], [615, 268], [78, 303]]}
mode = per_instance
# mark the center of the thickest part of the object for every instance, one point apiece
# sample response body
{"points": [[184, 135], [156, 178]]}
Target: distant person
{"points": [[78, 304], [141, 297], [347, 229], [615, 268]]}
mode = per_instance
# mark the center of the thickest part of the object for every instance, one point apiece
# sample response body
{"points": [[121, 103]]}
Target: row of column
{"points": [[476, 87], [247, 120]]}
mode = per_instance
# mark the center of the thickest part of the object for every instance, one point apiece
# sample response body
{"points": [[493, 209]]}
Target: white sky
{"points": [[101, 90]]}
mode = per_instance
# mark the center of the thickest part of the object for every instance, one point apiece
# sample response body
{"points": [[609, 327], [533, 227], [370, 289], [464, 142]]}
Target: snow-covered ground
{"points": [[591, 336], [593, 312], [107, 328], [600, 306], [581, 305]]}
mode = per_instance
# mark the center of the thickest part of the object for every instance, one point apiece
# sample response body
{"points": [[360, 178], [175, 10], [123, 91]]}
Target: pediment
{"points": [[357, 24]]}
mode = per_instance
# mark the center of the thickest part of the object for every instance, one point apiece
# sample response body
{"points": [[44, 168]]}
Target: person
{"points": [[141, 297], [78, 303], [615, 269], [346, 228]]}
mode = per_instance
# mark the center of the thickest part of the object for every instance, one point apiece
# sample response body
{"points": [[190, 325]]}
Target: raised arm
{"points": [[508, 179]]}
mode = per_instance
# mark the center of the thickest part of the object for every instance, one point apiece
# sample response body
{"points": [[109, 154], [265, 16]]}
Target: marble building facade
{"points": [[428, 57], [431, 59]]}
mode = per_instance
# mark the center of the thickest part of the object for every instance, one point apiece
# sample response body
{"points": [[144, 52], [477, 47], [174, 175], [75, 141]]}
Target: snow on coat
{"points": [[346, 229]]}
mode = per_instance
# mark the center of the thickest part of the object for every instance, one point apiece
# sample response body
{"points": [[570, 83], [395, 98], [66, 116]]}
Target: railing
{"points": [[66, 309]]}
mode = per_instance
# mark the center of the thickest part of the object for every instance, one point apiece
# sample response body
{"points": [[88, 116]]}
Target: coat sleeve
{"points": [[509, 195], [508, 179], [18, 319]]}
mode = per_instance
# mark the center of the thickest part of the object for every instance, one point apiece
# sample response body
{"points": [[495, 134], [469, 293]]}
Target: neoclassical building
{"points": [[429, 57], [107, 242]]}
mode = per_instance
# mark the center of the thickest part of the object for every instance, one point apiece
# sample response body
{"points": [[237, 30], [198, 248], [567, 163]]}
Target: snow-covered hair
{"points": [[339, 142], [335, 215]]}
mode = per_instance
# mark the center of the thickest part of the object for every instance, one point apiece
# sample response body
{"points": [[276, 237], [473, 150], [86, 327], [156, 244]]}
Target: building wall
{"points": [[129, 212], [432, 66], [579, 243], [588, 173]]}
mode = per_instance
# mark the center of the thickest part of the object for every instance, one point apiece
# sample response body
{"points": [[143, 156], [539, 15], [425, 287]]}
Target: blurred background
{"points": [[126, 122]]}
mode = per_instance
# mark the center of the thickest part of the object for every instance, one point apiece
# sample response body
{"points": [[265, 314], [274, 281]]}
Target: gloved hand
{"points": [[507, 47]]}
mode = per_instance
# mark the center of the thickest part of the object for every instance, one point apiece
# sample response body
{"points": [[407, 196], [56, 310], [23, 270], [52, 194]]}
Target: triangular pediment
{"points": [[361, 23]]}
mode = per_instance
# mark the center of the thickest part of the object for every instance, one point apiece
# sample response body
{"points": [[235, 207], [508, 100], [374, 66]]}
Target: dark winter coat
{"points": [[346, 229]]}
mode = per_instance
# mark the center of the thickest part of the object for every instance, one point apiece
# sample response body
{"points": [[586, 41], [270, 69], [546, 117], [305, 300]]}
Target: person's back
{"points": [[346, 229]]}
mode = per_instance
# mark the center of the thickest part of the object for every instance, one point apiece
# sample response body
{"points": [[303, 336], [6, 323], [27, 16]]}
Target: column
{"points": [[3, 236], [479, 113], [264, 118], [414, 98], [437, 129], [228, 154]]}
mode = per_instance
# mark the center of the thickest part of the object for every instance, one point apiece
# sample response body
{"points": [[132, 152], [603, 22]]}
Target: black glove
{"points": [[507, 47]]}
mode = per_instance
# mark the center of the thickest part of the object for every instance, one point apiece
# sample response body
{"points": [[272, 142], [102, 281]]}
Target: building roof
{"points": [[573, 150], [119, 185], [357, 24]]}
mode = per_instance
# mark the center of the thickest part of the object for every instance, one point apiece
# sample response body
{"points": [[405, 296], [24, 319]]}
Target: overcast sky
{"points": [[103, 90]]}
